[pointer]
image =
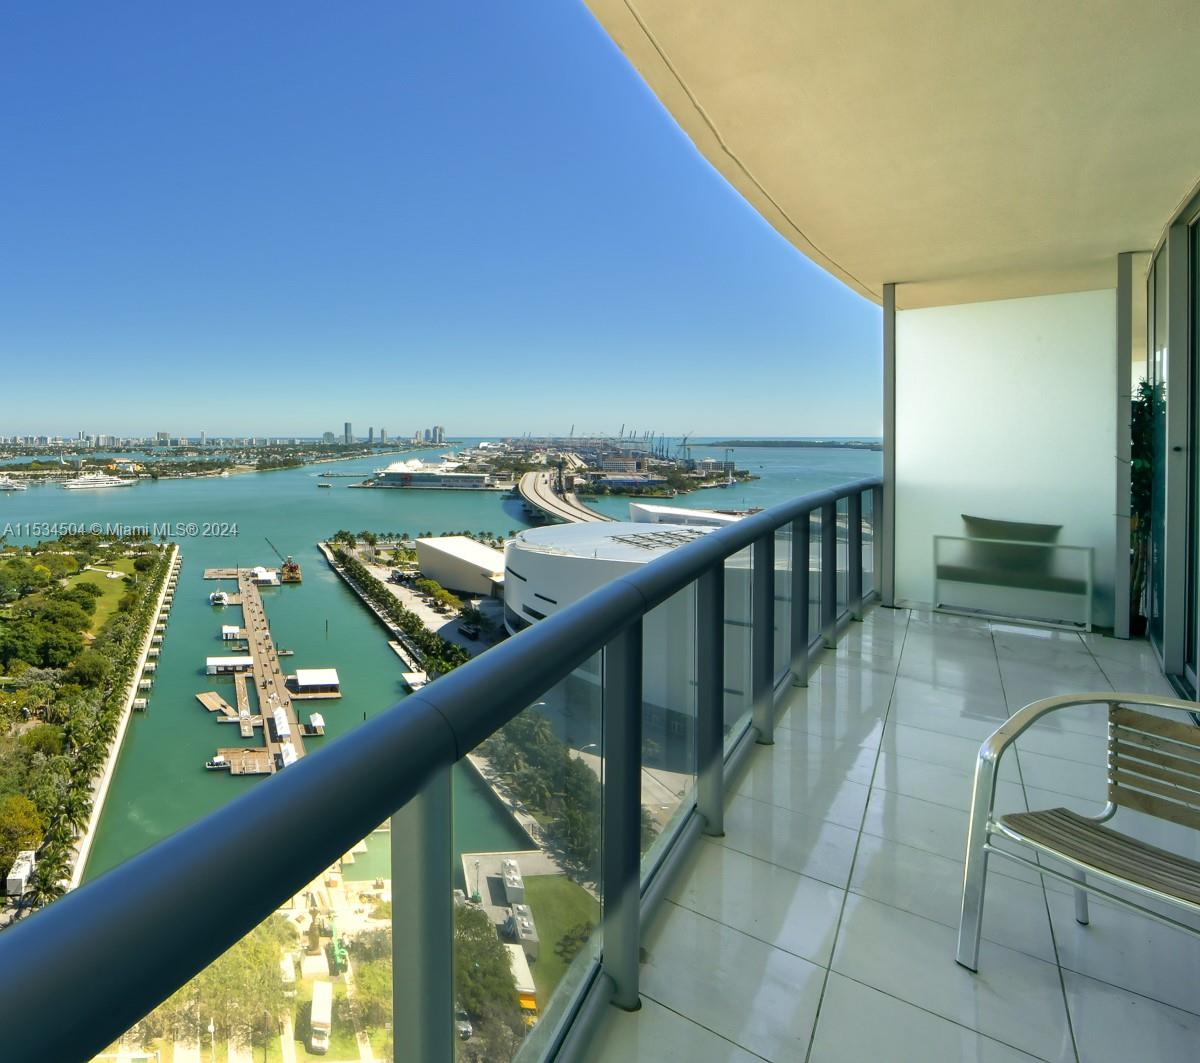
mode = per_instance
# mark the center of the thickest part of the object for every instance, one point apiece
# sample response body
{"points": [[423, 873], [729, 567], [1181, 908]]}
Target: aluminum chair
{"points": [[1153, 767]]}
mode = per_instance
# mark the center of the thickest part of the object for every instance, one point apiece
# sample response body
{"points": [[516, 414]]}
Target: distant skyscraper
{"points": [[439, 434], [428, 437], [328, 437], [382, 436], [370, 435], [203, 438], [347, 433]]}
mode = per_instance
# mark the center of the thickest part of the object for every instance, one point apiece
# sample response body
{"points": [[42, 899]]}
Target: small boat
{"points": [[324, 485], [7, 483], [218, 598], [218, 763]]}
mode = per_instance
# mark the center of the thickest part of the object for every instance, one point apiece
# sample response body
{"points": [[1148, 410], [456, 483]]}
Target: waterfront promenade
{"points": [[83, 846]]}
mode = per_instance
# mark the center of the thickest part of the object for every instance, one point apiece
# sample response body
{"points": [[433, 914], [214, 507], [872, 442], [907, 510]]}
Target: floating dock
{"points": [[282, 733]]}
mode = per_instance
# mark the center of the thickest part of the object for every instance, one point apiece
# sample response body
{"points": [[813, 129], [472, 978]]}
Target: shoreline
{"points": [[83, 844]]}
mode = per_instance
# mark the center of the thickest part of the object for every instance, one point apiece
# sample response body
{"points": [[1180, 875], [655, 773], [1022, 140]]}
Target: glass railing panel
{"points": [[312, 981], [843, 554], [668, 718], [527, 904], [868, 542], [814, 577], [783, 601], [738, 694]]}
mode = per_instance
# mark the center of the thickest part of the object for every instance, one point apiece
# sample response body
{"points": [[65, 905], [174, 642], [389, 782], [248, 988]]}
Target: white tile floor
{"points": [[822, 926]]}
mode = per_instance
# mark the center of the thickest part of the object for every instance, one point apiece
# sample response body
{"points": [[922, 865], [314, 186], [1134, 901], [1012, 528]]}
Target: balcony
{"points": [[762, 843], [823, 925]]}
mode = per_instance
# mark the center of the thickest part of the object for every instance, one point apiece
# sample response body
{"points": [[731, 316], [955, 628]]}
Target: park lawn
{"points": [[113, 590], [558, 905]]}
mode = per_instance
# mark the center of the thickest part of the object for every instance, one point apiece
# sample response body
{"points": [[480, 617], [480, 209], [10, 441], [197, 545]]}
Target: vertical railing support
{"points": [[422, 953], [762, 637], [829, 545], [854, 551], [710, 699], [800, 594], [621, 852], [878, 531]]}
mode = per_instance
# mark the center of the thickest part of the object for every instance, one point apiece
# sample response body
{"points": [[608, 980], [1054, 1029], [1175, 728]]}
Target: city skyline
{"points": [[393, 209]]}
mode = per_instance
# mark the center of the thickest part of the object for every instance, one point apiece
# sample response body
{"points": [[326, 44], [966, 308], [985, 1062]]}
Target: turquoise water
{"points": [[160, 784]]}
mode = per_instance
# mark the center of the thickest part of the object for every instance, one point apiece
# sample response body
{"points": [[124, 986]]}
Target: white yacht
{"points": [[7, 483], [96, 479], [218, 598]]}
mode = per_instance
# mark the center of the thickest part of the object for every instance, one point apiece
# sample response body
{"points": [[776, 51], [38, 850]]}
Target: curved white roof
{"points": [[616, 541]]}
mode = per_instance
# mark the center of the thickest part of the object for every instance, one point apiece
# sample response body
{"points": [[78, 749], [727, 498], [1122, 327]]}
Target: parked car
{"points": [[462, 1025], [469, 630]]}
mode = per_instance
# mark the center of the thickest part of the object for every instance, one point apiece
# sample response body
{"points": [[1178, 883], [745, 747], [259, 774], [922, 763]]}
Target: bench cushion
{"points": [[1081, 840], [1034, 579]]}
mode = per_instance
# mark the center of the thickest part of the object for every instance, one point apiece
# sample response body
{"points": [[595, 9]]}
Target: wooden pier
{"points": [[270, 688]]}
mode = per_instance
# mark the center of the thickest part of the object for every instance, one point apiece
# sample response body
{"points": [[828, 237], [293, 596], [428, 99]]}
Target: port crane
{"points": [[290, 569]]}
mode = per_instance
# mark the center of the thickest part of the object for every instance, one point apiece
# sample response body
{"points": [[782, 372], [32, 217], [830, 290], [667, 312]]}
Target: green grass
{"points": [[112, 590], [558, 905]]}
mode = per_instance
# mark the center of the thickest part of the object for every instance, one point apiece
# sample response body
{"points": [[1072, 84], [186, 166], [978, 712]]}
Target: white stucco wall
{"points": [[1005, 410]]}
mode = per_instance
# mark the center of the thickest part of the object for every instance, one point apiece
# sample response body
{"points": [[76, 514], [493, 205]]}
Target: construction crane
{"points": [[289, 570]]}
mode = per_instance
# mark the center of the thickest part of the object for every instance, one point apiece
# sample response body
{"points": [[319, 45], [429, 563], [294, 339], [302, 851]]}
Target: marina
{"points": [[280, 729], [160, 785]]}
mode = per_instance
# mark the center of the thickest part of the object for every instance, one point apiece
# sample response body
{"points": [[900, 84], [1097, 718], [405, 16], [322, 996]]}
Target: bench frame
{"points": [[983, 824], [1089, 566]]}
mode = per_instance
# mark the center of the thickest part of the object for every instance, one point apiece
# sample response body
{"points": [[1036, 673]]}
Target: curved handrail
{"points": [[75, 976]]}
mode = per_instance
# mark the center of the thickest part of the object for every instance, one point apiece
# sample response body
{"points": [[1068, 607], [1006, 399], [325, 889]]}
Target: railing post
{"points": [[829, 573], [621, 853], [877, 534], [800, 595], [854, 565], [710, 699], [422, 950], [762, 637]]}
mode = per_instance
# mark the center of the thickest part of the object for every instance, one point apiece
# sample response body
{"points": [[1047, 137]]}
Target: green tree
{"points": [[483, 979], [21, 827]]}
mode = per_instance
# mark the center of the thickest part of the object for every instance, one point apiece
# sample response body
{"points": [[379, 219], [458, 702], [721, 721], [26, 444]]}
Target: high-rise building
{"points": [[203, 438], [439, 434], [428, 436], [328, 437], [347, 434], [370, 435], [382, 436]]}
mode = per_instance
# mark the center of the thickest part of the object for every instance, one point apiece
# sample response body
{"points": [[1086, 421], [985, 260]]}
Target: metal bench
{"points": [[1014, 556], [1153, 767]]}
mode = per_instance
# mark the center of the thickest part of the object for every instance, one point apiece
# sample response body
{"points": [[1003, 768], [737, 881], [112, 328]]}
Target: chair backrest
{"points": [[1154, 765], [1021, 551]]}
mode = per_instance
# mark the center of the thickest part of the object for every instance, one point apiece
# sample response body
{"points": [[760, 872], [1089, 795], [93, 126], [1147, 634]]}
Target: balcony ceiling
{"points": [[963, 151]]}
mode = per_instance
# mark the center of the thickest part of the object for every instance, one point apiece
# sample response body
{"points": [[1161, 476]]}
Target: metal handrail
{"points": [[76, 976]]}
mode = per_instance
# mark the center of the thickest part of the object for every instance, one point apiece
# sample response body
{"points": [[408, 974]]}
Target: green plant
{"points": [[1146, 407]]}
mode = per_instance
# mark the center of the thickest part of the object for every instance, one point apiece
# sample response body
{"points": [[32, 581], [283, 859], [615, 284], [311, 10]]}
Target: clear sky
{"points": [[270, 218]]}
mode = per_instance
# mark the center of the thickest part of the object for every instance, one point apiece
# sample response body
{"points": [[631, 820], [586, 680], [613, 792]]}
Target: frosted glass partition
{"points": [[1004, 412]]}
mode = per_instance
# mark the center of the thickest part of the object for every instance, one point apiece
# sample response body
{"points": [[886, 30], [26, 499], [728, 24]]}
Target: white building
{"points": [[459, 563], [548, 569], [20, 873], [645, 513], [264, 577], [228, 665], [317, 681], [440, 477]]}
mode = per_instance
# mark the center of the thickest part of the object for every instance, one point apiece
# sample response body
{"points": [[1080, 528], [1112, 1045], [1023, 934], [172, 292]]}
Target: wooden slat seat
{"points": [[1084, 841]]}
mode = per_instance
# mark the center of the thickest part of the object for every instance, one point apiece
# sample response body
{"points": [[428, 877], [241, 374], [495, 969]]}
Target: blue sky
{"points": [[272, 218]]}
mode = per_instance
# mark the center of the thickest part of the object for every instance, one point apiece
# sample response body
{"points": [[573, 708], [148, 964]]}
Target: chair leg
{"points": [[1081, 899], [970, 924]]}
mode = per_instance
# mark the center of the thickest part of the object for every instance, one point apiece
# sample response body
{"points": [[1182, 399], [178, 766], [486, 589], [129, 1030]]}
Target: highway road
{"points": [[537, 489]]}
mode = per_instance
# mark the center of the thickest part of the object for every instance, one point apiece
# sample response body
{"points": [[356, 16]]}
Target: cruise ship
{"points": [[96, 479], [7, 483]]}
